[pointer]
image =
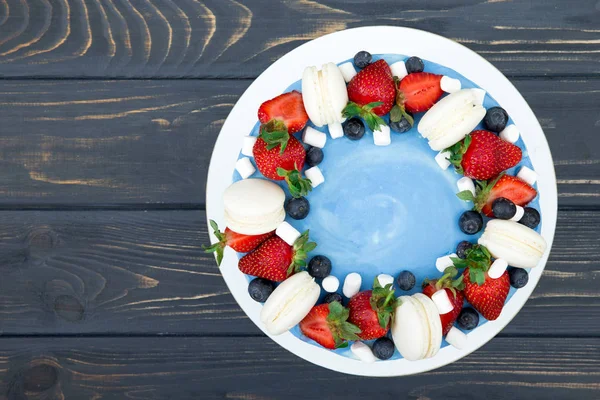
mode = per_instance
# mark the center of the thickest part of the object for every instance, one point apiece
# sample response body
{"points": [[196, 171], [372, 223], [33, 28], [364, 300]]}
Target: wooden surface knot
{"points": [[38, 379], [61, 298], [42, 238]]}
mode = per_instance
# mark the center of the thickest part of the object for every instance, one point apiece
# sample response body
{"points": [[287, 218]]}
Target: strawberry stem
{"points": [[341, 329], [218, 247], [275, 133], [299, 186], [300, 251], [478, 260], [366, 113], [457, 152]]}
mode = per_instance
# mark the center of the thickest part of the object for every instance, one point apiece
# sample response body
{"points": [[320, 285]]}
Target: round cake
{"points": [[383, 207]]}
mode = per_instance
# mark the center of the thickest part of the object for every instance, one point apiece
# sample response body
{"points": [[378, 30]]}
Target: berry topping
{"points": [[406, 280], [287, 108], [362, 59], [403, 125], [327, 325], [319, 267], [372, 310], [518, 277], [331, 297], [374, 84], [496, 119], [297, 208], [314, 156], [354, 129], [414, 64], [483, 155], [531, 218], [468, 319], [453, 286], [383, 348], [504, 208], [237, 241], [260, 289], [462, 248], [419, 91], [470, 222]]}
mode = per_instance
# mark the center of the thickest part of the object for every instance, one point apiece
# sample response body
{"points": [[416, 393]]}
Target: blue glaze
{"points": [[387, 209]]}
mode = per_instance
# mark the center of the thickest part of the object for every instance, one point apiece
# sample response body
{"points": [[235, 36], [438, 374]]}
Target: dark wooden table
{"points": [[109, 110]]}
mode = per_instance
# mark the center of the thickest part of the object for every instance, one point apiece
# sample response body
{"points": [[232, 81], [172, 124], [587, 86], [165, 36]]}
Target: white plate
{"points": [[337, 47]]}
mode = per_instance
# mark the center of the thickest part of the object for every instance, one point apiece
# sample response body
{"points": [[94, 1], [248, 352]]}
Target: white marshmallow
{"points": [[385, 279], [450, 85], [510, 134], [288, 233], [330, 284], [444, 262], [479, 95], [313, 137], [528, 175], [519, 214], [315, 175], [348, 71], [363, 352], [442, 301], [465, 183], [336, 130], [497, 268], [442, 159], [382, 137], [399, 69], [352, 284], [247, 148], [245, 167], [456, 338]]}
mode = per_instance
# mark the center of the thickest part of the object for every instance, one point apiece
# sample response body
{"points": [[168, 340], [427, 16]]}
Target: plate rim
{"points": [[347, 42]]}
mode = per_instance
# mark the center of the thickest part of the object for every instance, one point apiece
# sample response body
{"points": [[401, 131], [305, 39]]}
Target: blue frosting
{"points": [[387, 209]]}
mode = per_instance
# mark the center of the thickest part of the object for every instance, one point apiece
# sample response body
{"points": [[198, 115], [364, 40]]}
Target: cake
{"points": [[382, 208]]}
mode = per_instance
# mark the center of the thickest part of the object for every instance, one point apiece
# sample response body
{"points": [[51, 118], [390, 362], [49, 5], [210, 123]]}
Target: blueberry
{"points": [[462, 248], [297, 208], [401, 126], [362, 59], [383, 348], [260, 289], [314, 156], [319, 267], [518, 277], [414, 64], [531, 218], [470, 222], [468, 319], [354, 129], [496, 119], [504, 208], [331, 297], [406, 280]]}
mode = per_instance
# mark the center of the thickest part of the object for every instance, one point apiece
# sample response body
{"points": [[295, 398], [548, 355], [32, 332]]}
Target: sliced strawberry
{"points": [[327, 325], [237, 241], [453, 289], [374, 84], [287, 107], [420, 91], [483, 155]]}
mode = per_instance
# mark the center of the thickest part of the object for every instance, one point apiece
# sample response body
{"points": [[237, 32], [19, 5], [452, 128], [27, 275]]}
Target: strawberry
{"points": [[483, 155], [374, 84], [507, 186], [453, 290], [288, 108], [237, 241], [275, 259], [419, 91], [485, 294], [372, 310], [327, 325], [279, 155]]}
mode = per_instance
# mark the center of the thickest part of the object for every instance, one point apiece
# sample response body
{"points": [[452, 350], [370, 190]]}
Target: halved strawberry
{"points": [[507, 186], [453, 287], [374, 84], [276, 260], [372, 310], [288, 108], [419, 91], [327, 325], [483, 155], [237, 241]]}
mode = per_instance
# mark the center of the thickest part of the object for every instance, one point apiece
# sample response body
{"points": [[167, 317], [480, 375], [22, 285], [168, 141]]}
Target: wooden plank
{"points": [[214, 38], [256, 368], [123, 142], [128, 272]]}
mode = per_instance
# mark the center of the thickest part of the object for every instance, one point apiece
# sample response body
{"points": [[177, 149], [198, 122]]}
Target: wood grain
{"points": [[135, 272], [231, 38], [124, 142], [229, 368]]}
